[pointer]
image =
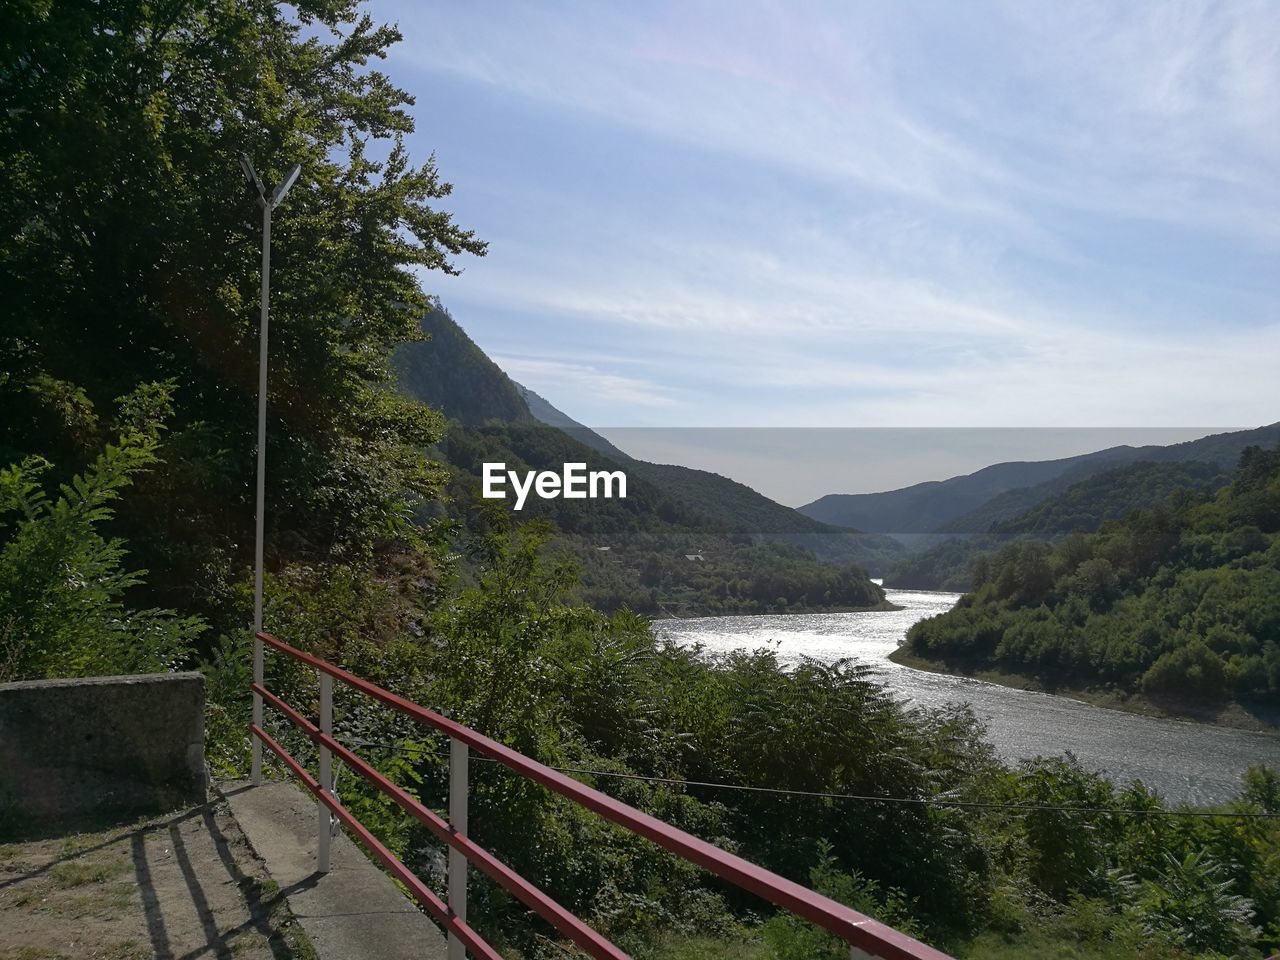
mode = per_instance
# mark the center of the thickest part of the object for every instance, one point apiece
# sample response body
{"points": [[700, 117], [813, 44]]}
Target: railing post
{"points": [[326, 773], [459, 760], [857, 954]]}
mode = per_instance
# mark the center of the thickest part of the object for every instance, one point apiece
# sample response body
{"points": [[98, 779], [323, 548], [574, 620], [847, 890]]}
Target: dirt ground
{"points": [[178, 887]]}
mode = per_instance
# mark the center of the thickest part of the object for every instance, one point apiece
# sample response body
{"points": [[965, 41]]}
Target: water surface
{"points": [[1185, 761]]}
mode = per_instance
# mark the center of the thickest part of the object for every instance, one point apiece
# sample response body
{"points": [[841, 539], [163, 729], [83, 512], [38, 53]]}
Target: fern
{"points": [[62, 584]]}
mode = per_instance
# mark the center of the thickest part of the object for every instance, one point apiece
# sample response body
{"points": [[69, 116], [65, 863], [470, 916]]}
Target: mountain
{"points": [[973, 502], [1113, 495], [682, 542], [946, 564], [544, 412], [454, 375], [449, 372], [926, 507], [1177, 601], [1083, 507], [731, 505]]}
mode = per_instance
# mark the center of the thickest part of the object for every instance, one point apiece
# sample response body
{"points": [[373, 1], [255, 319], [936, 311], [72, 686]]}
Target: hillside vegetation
{"points": [[128, 372], [635, 552], [1181, 599], [757, 555], [449, 371], [1112, 495], [947, 565], [1080, 506]]}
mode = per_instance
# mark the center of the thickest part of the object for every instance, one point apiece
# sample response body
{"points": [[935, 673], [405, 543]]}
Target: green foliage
{"points": [[634, 552], [1191, 900], [675, 575], [1138, 476], [1058, 508], [496, 642], [1113, 495], [953, 564], [1179, 600], [134, 257], [739, 508], [792, 939], [1065, 851], [62, 584]]}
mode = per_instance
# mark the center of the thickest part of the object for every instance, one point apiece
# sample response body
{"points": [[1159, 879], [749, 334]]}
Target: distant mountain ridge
{"points": [[974, 502], [736, 506], [451, 373], [1082, 507], [543, 411]]}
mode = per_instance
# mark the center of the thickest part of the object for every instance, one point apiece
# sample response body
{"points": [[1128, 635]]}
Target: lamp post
{"points": [[268, 202]]}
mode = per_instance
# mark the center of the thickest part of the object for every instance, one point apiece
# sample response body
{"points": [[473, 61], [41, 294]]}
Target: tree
{"points": [[1193, 899], [61, 583], [131, 251]]}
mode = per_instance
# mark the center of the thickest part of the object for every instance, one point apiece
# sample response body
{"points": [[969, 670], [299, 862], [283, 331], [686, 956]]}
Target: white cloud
{"points": [[561, 378], [945, 222]]}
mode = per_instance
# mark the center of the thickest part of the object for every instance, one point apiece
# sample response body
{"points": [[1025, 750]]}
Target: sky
{"points": [[874, 214]]}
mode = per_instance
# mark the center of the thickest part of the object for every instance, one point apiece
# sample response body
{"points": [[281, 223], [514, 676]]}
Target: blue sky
{"points": [[863, 214]]}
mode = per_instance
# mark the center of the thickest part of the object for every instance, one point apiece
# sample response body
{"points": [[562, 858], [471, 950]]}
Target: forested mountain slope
{"points": [[1181, 599], [497, 419], [927, 507], [543, 411], [735, 505], [1113, 495], [450, 373], [1083, 506], [752, 554]]}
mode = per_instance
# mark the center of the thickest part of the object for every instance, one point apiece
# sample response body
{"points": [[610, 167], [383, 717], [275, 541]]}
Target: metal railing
{"points": [[867, 938]]}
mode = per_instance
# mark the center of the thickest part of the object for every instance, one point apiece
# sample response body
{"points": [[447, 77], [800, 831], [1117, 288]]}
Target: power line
{"points": [[417, 752]]}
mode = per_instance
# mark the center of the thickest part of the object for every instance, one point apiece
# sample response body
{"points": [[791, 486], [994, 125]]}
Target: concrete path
{"points": [[353, 912]]}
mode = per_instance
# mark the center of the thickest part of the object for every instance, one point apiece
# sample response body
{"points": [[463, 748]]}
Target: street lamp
{"points": [[268, 203]]}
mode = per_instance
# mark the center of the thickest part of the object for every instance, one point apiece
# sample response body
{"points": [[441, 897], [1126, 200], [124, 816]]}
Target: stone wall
{"points": [[101, 746]]}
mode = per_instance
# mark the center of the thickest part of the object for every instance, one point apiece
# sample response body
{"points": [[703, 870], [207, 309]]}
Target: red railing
{"points": [[866, 937]]}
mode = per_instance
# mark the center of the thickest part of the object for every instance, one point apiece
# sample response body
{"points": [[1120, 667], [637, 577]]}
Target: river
{"points": [[1186, 762]]}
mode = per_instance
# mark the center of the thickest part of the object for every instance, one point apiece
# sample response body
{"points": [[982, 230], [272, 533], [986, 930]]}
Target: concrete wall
{"points": [[98, 746]]}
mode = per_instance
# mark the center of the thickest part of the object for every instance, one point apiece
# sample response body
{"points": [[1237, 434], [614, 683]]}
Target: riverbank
{"points": [[1237, 716]]}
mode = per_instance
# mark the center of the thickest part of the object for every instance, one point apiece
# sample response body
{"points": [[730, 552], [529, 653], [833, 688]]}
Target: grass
{"points": [[30, 953], [76, 873], [742, 947], [1037, 946], [78, 843], [107, 902]]}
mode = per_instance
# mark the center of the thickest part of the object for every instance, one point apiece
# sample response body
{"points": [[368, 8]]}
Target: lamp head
{"points": [[247, 166], [283, 187]]}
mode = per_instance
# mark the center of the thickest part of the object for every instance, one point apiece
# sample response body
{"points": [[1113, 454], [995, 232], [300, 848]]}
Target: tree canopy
{"points": [[131, 250]]}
